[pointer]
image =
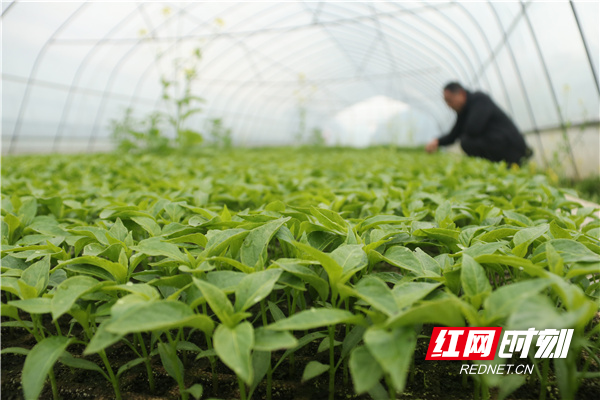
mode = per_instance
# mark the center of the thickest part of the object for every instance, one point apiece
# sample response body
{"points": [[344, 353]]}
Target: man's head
{"points": [[455, 96]]}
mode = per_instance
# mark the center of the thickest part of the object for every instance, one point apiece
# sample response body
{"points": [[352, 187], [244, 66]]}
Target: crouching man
{"points": [[483, 128]]}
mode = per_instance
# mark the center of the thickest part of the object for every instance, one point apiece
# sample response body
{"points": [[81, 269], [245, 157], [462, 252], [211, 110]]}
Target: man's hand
{"points": [[432, 146]]}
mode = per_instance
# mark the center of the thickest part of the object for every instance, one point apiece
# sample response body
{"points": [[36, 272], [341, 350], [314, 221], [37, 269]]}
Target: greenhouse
{"points": [[300, 200]]}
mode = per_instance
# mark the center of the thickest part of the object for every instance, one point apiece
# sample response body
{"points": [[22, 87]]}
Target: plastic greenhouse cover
{"points": [[70, 68]]}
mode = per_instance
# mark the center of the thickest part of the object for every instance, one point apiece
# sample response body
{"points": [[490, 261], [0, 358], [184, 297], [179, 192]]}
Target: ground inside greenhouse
{"points": [[431, 380]]}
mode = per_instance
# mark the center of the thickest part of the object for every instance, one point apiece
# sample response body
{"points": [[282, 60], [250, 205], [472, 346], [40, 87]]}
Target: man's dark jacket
{"points": [[486, 131]]}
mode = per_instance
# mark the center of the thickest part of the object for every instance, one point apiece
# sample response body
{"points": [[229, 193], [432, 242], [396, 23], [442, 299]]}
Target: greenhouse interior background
{"points": [[240, 200], [294, 72]]}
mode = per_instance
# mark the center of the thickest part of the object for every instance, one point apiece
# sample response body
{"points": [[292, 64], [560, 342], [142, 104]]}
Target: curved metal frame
{"points": [[550, 85], [513, 59], [262, 89], [33, 73], [383, 53], [585, 45], [77, 77]]}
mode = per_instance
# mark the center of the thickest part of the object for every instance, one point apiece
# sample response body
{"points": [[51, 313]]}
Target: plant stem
{"points": [[292, 311], [331, 362], [53, 384], [211, 359], [147, 362], [242, 386], [37, 325], [485, 391], [345, 369], [265, 322], [545, 368], [476, 392], [390, 386], [180, 379], [113, 379], [57, 328]]}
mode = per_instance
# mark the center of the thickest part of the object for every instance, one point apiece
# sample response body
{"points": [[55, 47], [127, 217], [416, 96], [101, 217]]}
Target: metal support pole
{"points": [[520, 78], [549, 82], [587, 50]]}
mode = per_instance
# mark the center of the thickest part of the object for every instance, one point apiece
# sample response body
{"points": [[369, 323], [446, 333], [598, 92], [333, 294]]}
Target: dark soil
{"points": [[428, 380]]}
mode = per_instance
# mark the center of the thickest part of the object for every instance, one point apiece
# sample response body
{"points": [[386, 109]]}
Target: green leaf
{"points": [[102, 339], [148, 224], [116, 270], [430, 265], [443, 214], [294, 267], [169, 359], [444, 312], [217, 300], [26, 291], [504, 300], [555, 261], [15, 350], [255, 287], [474, 280], [377, 294], [313, 369], [128, 365], [149, 292], [227, 281], [276, 311], [254, 248], [156, 247], [38, 305], [218, 241], [484, 248], [334, 270], [196, 390], [234, 263], [81, 363], [13, 224], [28, 211], [38, 363], [558, 232], [448, 237], [269, 340], [407, 293], [376, 220], [233, 346], [540, 312], [330, 219], [366, 371], [352, 339], [524, 237], [303, 341], [158, 315], [570, 251], [9, 311], [261, 361], [68, 292], [393, 350], [37, 275], [351, 258], [402, 257], [118, 230], [497, 234], [512, 261], [315, 318]]}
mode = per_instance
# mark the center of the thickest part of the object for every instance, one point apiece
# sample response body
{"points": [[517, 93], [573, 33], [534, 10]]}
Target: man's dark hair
{"points": [[454, 87]]}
